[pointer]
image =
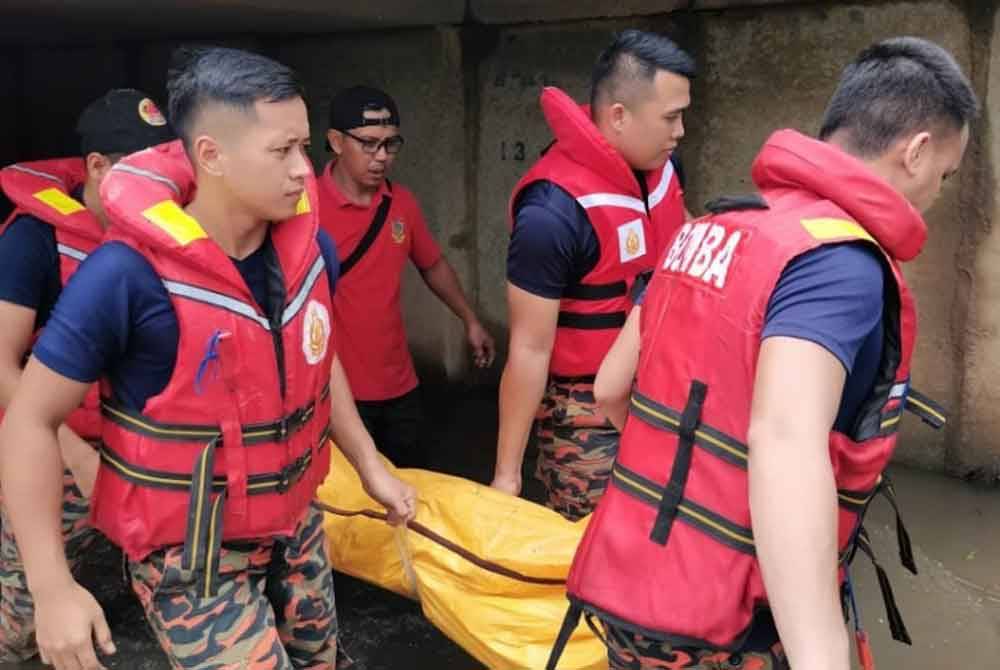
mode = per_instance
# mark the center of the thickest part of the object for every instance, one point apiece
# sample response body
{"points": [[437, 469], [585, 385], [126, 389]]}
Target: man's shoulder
{"points": [[116, 260], [25, 224]]}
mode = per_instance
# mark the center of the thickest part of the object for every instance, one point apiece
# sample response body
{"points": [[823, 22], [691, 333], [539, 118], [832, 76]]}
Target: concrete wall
{"points": [[468, 95]]}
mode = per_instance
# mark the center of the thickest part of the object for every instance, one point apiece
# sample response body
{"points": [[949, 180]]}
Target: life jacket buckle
{"points": [[291, 474], [283, 427]]}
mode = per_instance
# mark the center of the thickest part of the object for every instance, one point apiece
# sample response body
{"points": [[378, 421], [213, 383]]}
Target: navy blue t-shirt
{"points": [[30, 276], [115, 319], [553, 244], [833, 296]]}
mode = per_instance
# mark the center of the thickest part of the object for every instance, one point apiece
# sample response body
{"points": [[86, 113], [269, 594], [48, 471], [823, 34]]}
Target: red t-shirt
{"points": [[367, 316]]}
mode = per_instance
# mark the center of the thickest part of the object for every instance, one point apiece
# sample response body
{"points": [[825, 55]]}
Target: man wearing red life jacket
{"points": [[378, 227], [773, 352], [206, 315], [57, 222], [588, 219]]}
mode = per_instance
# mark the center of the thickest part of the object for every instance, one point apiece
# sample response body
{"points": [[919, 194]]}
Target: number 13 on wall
{"points": [[512, 151]]}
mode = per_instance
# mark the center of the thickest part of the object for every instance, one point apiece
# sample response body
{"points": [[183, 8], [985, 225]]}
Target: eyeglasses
{"points": [[392, 145]]}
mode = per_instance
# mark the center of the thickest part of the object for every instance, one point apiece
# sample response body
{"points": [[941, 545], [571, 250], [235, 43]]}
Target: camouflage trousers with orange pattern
{"points": [[628, 651], [273, 609], [577, 447], [17, 608]]}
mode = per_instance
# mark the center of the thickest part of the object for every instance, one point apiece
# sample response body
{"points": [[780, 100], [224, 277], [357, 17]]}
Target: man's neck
{"points": [[355, 193], [237, 233], [92, 201]]}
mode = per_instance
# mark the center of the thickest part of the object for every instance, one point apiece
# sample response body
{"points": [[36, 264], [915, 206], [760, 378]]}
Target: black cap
{"points": [[348, 107], [122, 121]]}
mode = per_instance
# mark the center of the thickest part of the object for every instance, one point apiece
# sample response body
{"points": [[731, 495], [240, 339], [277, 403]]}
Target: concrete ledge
{"points": [[199, 17], [531, 11]]}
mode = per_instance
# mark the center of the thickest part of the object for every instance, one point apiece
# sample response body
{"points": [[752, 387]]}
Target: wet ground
{"points": [[952, 608]]}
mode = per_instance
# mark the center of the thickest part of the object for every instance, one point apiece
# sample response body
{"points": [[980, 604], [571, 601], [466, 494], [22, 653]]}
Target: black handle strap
{"points": [[674, 491], [378, 222], [569, 624]]}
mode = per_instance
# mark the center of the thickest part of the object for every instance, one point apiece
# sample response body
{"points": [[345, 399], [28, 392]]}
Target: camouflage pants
{"points": [[627, 651], [274, 608], [577, 446], [17, 609]]}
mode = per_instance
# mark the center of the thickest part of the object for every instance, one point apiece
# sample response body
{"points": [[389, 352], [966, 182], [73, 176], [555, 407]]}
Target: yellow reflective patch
{"points": [[60, 202], [832, 229], [175, 222], [303, 206]]}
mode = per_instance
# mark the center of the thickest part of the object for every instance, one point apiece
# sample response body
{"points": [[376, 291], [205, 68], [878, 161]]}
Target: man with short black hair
{"points": [[57, 222], [587, 220], [377, 226], [773, 351], [207, 317]]}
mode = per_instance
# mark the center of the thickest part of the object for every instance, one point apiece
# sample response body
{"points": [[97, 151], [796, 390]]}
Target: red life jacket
{"points": [[43, 189], [583, 164], [669, 552], [244, 418]]}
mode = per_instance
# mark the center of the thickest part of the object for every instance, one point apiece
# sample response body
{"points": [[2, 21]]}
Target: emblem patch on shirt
{"points": [[398, 231], [316, 334], [631, 241]]}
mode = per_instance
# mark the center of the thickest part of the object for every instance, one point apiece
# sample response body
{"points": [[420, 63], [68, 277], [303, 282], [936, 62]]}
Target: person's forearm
{"points": [[442, 280], [347, 429], [613, 384], [521, 389], [10, 377], [32, 496], [74, 451], [795, 533]]}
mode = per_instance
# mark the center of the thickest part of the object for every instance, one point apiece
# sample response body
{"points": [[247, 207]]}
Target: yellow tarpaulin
{"points": [[487, 568]]}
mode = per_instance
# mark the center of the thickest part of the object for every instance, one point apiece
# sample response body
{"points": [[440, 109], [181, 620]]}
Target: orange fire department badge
{"points": [[150, 113], [398, 231], [632, 243]]}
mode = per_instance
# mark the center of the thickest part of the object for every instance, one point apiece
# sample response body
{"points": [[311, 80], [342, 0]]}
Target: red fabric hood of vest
{"points": [[582, 142], [22, 180], [790, 160]]}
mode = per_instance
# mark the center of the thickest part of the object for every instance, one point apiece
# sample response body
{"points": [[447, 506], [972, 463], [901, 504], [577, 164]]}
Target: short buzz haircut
{"points": [[897, 87], [635, 56], [201, 76]]}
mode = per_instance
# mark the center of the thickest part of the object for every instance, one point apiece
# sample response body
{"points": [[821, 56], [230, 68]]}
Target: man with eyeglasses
{"points": [[377, 225]]}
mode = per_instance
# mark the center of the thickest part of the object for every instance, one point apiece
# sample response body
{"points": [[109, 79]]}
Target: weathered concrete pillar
{"points": [[977, 444], [763, 70], [422, 69]]}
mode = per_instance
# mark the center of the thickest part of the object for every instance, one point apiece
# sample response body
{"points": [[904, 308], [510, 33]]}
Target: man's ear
{"points": [[336, 140], [97, 165], [207, 154], [916, 152], [617, 114]]}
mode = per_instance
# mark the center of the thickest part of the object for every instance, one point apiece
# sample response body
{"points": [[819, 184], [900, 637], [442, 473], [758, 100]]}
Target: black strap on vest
{"points": [[736, 203], [933, 414], [596, 291], [674, 491], [569, 624], [591, 321], [378, 222], [896, 625]]}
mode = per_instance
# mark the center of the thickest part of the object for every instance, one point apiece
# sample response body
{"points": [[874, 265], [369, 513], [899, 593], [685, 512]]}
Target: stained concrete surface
{"points": [[952, 608]]}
